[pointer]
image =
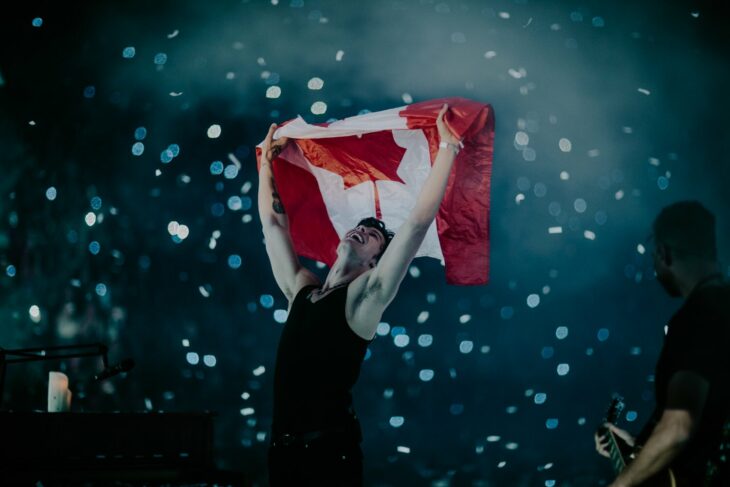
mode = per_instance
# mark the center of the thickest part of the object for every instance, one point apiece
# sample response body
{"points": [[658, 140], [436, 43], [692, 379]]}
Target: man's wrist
{"points": [[454, 147]]}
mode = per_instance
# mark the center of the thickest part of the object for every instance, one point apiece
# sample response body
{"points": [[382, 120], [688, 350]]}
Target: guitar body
{"points": [[662, 479]]}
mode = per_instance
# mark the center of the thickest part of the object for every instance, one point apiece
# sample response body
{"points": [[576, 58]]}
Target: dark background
{"points": [[69, 107]]}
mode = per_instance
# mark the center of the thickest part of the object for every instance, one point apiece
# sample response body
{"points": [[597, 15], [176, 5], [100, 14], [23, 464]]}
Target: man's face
{"points": [[367, 242], [664, 271]]}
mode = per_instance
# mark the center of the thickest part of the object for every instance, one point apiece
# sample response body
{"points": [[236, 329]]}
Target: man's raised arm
{"points": [[385, 279], [288, 271]]}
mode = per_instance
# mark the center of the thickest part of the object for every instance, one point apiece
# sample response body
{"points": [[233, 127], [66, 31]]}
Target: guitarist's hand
{"points": [[602, 441]]}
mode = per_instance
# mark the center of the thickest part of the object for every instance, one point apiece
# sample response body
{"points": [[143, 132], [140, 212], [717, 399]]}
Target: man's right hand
{"points": [[602, 441], [270, 149]]}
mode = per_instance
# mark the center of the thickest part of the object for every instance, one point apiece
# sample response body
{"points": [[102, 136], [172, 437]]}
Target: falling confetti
{"points": [[319, 108], [314, 84], [214, 131]]}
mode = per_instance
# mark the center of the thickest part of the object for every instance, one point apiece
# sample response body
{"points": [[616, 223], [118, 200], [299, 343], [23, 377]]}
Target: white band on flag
{"points": [[358, 125]]}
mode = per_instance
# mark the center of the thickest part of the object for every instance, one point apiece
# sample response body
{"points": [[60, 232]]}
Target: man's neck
{"points": [[340, 273], [694, 276]]}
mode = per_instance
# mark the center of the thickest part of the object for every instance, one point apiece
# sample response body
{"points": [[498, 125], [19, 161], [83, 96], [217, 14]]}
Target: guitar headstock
{"points": [[613, 413]]}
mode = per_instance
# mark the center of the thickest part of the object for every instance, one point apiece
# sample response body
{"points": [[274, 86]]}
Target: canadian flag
{"points": [[336, 174]]}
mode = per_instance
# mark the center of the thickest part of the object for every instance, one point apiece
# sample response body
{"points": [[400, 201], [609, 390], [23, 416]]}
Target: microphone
{"points": [[123, 366]]}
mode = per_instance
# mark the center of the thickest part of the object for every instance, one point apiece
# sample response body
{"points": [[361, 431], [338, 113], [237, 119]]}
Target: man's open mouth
{"points": [[358, 237]]}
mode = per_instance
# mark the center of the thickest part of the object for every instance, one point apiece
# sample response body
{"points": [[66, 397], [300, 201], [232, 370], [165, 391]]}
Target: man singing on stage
{"points": [[315, 432], [692, 379]]}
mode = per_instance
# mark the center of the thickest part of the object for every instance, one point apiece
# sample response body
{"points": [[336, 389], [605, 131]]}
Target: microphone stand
{"points": [[49, 353]]}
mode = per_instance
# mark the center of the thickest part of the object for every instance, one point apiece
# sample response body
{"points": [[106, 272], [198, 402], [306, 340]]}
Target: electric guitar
{"points": [[622, 453]]}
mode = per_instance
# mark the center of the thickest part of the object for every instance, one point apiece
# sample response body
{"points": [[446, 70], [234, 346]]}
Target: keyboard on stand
{"points": [[68, 449]]}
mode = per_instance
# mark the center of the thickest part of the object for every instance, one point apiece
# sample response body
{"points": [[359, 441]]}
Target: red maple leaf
{"points": [[370, 157]]}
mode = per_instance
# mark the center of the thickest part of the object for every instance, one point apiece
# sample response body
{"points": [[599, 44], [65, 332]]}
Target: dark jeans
{"points": [[333, 460]]}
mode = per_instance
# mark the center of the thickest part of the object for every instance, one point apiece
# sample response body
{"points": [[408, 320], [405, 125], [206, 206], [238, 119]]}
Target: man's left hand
{"points": [[444, 132]]}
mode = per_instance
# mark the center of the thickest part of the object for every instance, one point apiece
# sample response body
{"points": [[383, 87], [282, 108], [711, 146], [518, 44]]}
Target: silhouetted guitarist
{"points": [[692, 385]]}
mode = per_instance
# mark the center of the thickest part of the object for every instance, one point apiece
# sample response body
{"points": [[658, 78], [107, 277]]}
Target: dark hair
{"points": [[379, 226], [688, 228]]}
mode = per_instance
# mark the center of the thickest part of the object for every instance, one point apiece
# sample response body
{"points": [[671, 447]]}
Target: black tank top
{"points": [[317, 364]]}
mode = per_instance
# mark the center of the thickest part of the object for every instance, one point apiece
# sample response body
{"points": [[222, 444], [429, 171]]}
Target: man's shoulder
{"points": [[699, 335], [714, 300], [304, 279], [706, 311]]}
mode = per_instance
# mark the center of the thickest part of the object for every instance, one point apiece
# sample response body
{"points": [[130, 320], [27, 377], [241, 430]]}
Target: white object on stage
{"points": [[59, 395]]}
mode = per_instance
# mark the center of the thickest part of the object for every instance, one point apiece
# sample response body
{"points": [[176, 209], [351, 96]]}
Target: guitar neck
{"points": [[617, 456]]}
